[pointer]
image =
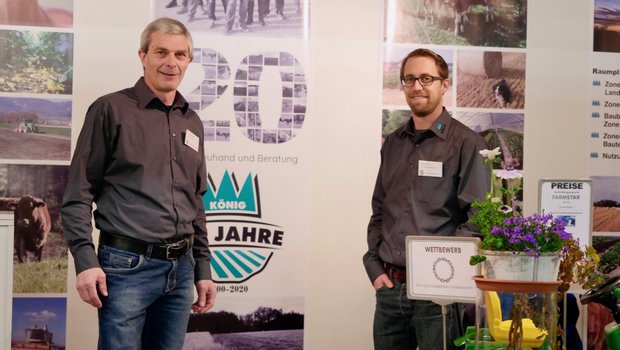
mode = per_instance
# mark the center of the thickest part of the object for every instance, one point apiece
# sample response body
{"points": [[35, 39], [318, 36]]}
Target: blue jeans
{"points": [[230, 13], [402, 323], [148, 302]]}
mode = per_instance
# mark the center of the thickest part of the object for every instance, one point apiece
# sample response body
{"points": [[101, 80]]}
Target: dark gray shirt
{"points": [[142, 163], [406, 203]]}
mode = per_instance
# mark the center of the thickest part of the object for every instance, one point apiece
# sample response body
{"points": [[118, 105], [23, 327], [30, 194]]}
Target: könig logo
{"points": [[229, 200], [241, 248]]}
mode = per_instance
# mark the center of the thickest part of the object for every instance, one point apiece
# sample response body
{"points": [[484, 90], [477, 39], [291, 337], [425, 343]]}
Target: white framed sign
{"points": [[438, 268], [571, 201]]}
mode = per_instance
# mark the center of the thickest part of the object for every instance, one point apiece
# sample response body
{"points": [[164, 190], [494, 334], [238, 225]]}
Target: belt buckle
{"points": [[175, 247]]}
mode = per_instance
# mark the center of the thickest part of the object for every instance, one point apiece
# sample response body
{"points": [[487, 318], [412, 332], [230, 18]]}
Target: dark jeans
{"points": [[402, 323]]}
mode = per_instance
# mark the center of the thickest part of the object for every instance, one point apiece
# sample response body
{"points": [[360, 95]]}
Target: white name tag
{"points": [[191, 140], [428, 168]]}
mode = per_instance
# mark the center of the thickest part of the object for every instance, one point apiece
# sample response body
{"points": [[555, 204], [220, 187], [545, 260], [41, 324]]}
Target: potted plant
{"points": [[539, 241]]}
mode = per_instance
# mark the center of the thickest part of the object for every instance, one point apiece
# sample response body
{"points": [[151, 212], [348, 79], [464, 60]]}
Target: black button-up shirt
{"points": [[406, 203], [135, 160]]}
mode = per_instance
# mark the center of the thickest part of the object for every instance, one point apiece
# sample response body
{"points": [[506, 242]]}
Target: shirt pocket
{"points": [[435, 192]]}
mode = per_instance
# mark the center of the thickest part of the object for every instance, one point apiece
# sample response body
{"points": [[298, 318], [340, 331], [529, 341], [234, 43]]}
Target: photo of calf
{"points": [[33, 193]]}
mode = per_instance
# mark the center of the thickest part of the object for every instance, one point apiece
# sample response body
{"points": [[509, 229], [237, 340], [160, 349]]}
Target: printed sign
{"points": [[438, 268]]}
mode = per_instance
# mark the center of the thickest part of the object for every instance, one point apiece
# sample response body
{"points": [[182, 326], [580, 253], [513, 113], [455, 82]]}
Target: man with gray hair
{"points": [[140, 158]]}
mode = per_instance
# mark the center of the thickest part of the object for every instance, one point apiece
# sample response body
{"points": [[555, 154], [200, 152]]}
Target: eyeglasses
{"points": [[425, 80]]}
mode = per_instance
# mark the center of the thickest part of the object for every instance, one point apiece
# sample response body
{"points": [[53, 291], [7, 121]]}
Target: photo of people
{"points": [[490, 79], [499, 23], [266, 18]]}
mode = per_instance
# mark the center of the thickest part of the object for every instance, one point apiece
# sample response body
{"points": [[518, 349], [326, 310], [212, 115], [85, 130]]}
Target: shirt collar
{"points": [[146, 97], [439, 127]]}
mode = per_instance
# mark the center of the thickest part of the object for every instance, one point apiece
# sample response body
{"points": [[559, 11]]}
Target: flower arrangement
{"points": [[498, 218], [534, 234]]}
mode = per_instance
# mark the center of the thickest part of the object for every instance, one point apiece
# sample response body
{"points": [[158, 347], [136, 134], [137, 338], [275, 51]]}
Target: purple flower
{"points": [[534, 234]]}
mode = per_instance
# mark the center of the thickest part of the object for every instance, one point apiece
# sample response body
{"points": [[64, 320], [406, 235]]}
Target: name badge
{"points": [[428, 168], [191, 140]]}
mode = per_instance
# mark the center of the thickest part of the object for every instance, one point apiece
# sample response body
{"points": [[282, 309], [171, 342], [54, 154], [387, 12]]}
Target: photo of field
{"points": [[490, 79], [392, 58], [495, 23], [606, 213], [35, 128], [606, 31]]}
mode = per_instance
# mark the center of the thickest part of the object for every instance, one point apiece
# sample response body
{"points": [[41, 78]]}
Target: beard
{"points": [[424, 109]]}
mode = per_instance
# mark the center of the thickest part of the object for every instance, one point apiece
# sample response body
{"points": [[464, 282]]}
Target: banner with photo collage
{"points": [[36, 97], [248, 82]]}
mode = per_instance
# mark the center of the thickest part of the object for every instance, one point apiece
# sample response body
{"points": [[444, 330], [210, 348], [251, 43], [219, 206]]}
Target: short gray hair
{"points": [[165, 25]]}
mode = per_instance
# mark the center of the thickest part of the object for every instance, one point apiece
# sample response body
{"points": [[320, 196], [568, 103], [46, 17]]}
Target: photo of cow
{"points": [[499, 23], [33, 193], [35, 128]]}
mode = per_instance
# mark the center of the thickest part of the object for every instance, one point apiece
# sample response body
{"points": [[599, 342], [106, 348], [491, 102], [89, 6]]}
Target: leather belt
{"points": [[164, 251], [396, 273]]}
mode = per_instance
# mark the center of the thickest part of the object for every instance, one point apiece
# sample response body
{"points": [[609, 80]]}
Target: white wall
{"points": [[345, 110]]}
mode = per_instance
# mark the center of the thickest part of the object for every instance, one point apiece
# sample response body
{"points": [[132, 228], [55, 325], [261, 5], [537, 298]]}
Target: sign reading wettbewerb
{"points": [[438, 268]]}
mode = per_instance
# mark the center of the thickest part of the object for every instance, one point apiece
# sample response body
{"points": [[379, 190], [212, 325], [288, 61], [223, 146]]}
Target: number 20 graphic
{"points": [[217, 76]]}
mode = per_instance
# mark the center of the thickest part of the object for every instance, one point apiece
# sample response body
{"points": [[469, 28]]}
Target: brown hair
{"points": [[442, 66]]}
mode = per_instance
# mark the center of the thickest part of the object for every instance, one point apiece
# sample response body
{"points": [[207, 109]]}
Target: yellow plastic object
{"points": [[499, 329]]}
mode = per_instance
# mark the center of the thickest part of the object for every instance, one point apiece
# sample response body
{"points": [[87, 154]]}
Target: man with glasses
{"points": [[430, 172]]}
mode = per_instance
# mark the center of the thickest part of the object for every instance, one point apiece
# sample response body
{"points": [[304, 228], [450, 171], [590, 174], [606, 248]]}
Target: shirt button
{"points": [[174, 134], [174, 158]]}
